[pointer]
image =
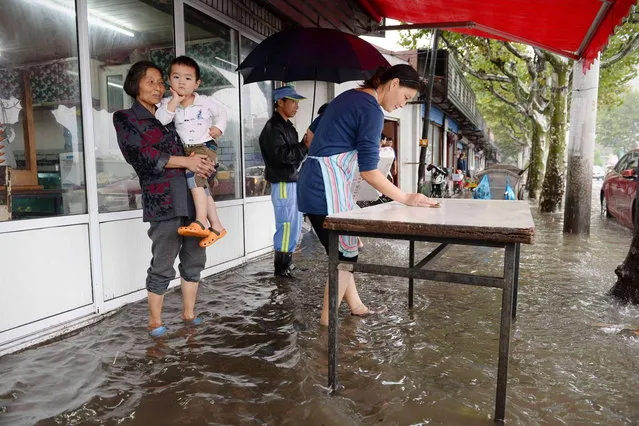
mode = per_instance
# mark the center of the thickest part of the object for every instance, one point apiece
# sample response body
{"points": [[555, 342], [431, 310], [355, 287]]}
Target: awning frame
{"points": [[600, 18], [483, 28]]}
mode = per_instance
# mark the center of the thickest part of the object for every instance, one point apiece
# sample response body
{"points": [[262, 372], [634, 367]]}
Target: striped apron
{"points": [[338, 173]]}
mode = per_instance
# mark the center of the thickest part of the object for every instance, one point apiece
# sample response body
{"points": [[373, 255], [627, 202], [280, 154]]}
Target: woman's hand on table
{"points": [[420, 200], [378, 181]]}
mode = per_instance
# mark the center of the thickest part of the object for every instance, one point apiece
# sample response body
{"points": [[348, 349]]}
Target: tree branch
{"points": [[556, 62], [519, 131], [467, 67], [520, 91], [631, 45], [515, 52], [514, 105]]}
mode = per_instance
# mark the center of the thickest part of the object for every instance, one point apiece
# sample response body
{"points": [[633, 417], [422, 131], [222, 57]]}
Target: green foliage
{"points": [[511, 135], [618, 125], [598, 157], [508, 86], [508, 106], [413, 38], [619, 61]]}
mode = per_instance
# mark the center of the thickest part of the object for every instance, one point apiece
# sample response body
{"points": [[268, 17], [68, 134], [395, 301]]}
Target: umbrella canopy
{"points": [[573, 28], [311, 54]]}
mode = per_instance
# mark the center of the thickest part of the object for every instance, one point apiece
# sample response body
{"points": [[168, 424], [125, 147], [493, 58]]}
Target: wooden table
{"points": [[493, 223]]}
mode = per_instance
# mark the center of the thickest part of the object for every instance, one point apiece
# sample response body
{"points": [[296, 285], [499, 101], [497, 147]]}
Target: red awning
{"points": [[574, 28]]}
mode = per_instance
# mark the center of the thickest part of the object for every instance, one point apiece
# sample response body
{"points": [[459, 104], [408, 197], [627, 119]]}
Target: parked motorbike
{"points": [[438, 180]]}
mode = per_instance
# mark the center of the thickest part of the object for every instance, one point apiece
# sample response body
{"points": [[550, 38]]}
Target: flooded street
{"points": [[260, 356]]}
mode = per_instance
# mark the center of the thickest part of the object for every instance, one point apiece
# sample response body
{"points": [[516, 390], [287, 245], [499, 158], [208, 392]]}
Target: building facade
{"points": [[74, 246], [455, 123]]}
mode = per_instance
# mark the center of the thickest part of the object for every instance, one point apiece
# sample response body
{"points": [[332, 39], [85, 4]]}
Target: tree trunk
{"points": [[536, 168], [553, 187], [627, 286], [581, 148]]}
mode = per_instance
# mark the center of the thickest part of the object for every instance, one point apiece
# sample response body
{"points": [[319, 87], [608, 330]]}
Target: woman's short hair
{"points": [[321, 109], [135, 74], [406, 75]]}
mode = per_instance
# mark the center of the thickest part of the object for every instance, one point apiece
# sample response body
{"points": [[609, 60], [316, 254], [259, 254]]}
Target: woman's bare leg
{"points": [[189, 294], [155, 310], [347, 290]]}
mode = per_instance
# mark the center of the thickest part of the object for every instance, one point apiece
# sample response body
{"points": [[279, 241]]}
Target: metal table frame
{"points": [[508, 283]]}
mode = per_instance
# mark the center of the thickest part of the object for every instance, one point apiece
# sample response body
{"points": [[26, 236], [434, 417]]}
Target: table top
{"points": [[500, 221]]}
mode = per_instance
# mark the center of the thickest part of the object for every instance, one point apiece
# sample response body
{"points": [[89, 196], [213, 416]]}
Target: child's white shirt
{"points": [[194, 121]]}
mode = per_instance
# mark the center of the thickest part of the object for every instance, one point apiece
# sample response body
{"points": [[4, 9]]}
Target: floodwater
{"points": [[260, 356]]}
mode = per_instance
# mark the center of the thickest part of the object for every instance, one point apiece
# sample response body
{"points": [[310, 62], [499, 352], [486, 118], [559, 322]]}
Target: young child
{"points": [[199, 120]]}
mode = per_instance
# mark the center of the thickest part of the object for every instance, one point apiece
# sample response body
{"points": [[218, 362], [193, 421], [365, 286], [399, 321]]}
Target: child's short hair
{"points": [[187, 62]]}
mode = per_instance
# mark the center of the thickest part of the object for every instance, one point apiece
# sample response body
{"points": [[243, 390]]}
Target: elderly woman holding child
{"points": [[157, 156]]}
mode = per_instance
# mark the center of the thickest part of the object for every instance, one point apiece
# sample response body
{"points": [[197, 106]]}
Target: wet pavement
{"points": [[260, 356]]}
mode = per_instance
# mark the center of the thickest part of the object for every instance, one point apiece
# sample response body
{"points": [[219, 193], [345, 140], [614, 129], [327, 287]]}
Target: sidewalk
{"points": [[260, 356]]}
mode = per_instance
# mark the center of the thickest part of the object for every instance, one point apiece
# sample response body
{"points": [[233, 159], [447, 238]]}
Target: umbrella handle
{"points": [[313, 107]]}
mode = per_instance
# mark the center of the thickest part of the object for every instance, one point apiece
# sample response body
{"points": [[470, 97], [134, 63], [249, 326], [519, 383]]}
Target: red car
{"points": [[619, 190]]}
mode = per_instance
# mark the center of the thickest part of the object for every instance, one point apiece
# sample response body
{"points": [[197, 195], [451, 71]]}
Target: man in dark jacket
{"points": [[283, 154]]}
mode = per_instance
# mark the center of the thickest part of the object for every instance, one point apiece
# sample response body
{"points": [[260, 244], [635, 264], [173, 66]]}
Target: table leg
{"points": [[333, 260], [516, 283], [411, 263], [504, 331]]}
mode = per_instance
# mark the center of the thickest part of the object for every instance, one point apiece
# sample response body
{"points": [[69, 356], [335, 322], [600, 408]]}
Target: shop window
{"points": [[257, 108], [120, 35], [215, 48], [40, 110]]}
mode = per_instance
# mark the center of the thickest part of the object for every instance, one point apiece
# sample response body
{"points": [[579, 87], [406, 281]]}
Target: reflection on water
{"points": [[260, 357]]}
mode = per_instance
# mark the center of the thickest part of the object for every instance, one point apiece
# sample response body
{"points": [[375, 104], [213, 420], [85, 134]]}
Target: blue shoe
{"points": [[194, 322], [158, 332]]}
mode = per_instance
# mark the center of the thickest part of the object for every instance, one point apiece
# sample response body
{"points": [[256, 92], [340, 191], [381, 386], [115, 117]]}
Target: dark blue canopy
{"points": [[311, 54]]}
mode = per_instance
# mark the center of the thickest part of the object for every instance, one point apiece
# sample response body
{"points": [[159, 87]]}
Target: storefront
{"points": [[75, 247]]}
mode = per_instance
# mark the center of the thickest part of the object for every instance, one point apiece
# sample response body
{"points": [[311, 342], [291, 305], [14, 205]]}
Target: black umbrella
{"points": [[311, 54]]}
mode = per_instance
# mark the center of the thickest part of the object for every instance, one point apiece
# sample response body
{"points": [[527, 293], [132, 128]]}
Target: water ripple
{"points": [[260, 357]]}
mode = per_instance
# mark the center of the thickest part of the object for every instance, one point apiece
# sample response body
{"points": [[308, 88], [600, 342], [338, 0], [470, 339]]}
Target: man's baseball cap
{"points": [[287, 92]]}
